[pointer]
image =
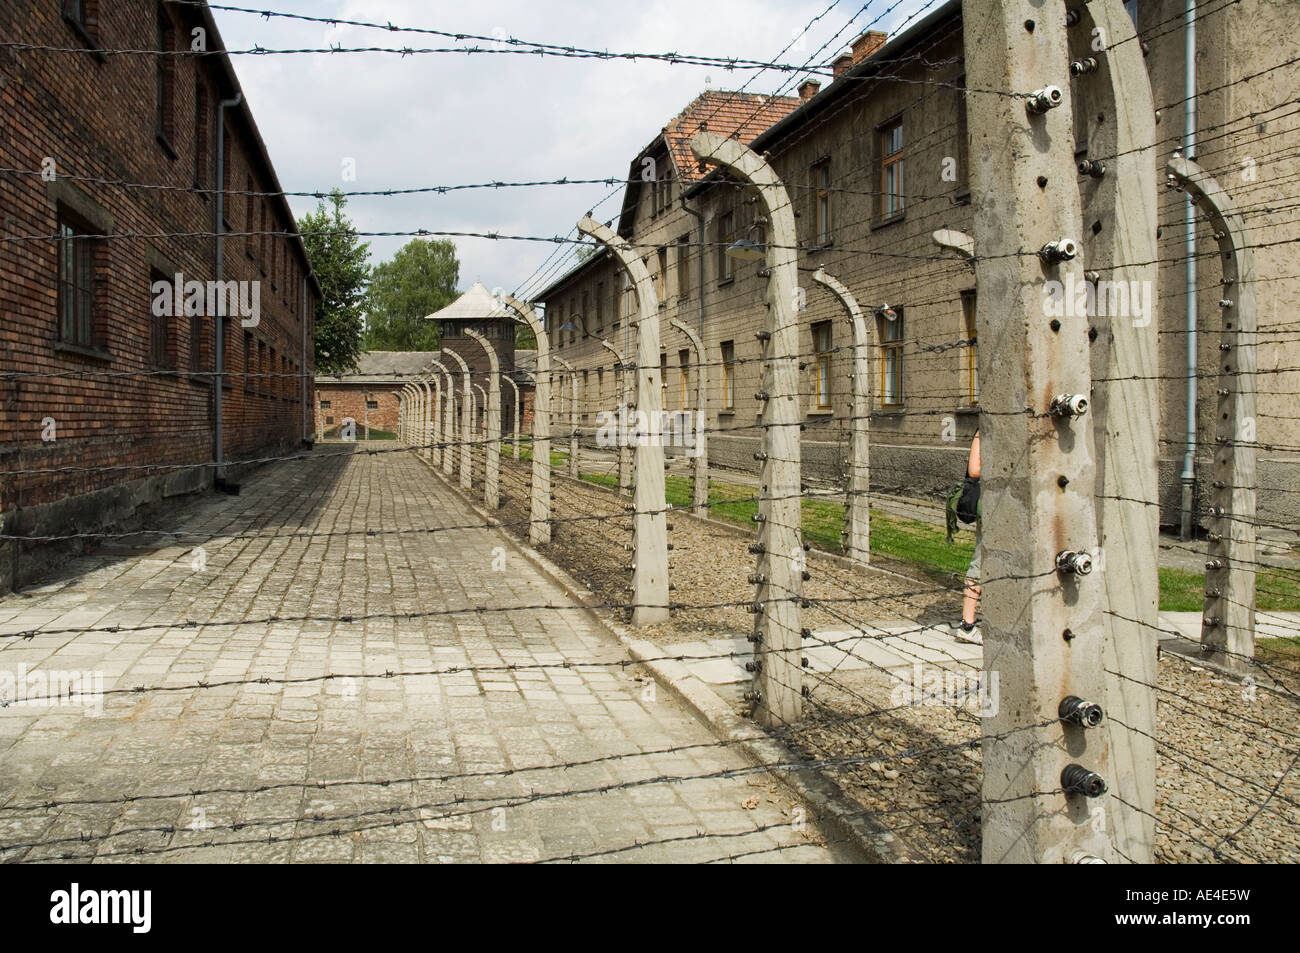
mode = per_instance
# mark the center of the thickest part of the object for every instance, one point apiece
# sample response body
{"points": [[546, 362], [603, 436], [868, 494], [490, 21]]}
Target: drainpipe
{"points": [[1187, 524], [221, 248], [699, 221]]}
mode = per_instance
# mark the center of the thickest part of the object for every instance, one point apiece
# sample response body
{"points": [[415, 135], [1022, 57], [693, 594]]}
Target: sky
{"points": [[452, 118]]}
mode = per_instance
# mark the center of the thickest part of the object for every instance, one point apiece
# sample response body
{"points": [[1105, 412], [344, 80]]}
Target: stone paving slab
{"points": [[296, 701]]}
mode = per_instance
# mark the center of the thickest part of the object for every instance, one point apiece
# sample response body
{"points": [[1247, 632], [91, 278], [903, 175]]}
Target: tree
{"points": [[341, 263], [420, 279]]}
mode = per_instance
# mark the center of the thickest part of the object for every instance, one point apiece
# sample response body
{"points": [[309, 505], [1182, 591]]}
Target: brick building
{"points": [[875, 163], [367, 396], [121, 187]]}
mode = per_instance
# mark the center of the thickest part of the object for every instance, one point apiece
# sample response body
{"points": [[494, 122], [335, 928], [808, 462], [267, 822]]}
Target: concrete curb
{"points": [[827, 805]]}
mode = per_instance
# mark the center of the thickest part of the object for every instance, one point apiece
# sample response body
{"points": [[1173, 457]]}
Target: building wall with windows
{"points": [[874, 164], [116, 193]]}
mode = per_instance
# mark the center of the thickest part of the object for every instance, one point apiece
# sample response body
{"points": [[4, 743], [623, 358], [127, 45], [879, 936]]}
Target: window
{"points": [[726, 235], [972, 351], [684, 361], [262, 230], [272, 386], [822, 195], [661, 276], [77, 283], [683, 268], [261, 367], [161, 345], [891, 169], [600, 307], [165, 82], [248, 362], [84, 17], [821, 333], [891, 359], [201, 161], [586, 304], [372, 405], [1131, 8], [729, 375], [328, 421], [197, 364], [325, 404], [248, 210]]}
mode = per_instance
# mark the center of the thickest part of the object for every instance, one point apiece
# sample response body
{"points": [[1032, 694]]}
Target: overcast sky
{"points": [[450, 118]]}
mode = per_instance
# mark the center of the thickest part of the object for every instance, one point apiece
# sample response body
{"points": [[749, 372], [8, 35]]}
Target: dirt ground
{"points": [[1226, 788]]}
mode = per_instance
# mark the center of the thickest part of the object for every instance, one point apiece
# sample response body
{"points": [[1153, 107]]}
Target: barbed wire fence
{"points": [[912, 766]]}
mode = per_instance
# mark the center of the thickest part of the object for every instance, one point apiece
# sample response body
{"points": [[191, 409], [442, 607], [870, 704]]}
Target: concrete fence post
{"points": [[466, 421], [623, 381], [445, 428], [857, 510], [573, 416], [514, 389], [778, 681], [650, 533], [700, 460], [539, 518], [1228, 623], [492, 426], [1043, 775], [1119, 193]]}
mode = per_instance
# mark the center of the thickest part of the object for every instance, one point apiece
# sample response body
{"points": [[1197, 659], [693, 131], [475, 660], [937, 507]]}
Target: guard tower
{"points": [[477, 309]]}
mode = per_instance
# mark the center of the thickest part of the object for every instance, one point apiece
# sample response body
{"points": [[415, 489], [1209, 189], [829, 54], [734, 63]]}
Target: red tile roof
{"points": [[726, 114]]}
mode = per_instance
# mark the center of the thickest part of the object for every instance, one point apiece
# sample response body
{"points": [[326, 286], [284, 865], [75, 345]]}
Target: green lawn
{"points": [[925, 546]]}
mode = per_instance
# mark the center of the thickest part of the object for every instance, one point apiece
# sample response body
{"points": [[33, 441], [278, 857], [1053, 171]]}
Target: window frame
{"points": [[728, 380], [822, 220], [969, 301], [891, 348], [726, 229], [823, 363], [165, 84], [83, 282], [891, 162]]}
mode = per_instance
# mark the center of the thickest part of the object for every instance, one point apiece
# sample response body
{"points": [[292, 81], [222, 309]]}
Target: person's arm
{"points": [[973, 465]]}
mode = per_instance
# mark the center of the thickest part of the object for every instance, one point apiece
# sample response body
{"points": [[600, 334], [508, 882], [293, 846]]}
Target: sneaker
{"points": [[970, 635]]}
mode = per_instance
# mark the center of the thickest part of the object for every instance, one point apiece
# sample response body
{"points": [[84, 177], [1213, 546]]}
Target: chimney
{"points": [[841, 64], [808, 89], [867, 44]]}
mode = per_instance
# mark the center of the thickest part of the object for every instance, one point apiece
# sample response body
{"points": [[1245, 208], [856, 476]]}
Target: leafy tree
{"points": [[420, 279], [341, 263]]}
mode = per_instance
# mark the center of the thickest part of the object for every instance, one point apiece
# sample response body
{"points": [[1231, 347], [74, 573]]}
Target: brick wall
{"points": [[349, 400], [104, 399]]}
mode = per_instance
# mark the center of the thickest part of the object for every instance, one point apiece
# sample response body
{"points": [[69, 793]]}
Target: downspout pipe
{"points": [[219, 377], [699, 221], [1187, 523]]}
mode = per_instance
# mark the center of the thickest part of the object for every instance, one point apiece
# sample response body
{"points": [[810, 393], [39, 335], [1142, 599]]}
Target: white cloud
{"points": [[441, 119]]}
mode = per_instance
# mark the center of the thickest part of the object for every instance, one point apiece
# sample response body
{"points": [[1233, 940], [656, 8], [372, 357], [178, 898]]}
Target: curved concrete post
{"points": [[444, 417], [1043, 615], [857, 512], [539, 518], [1228, 625], [480, 406], [624, 384], [492, 424], [650, 522], [700, 458], [407, 413], [518, 410], [573, 416], [1121, 257], [778, 695], [426, 404], [466, 422]]}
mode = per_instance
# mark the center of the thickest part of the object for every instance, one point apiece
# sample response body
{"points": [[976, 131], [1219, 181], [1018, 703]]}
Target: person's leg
{"points": [[971, 597]]}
